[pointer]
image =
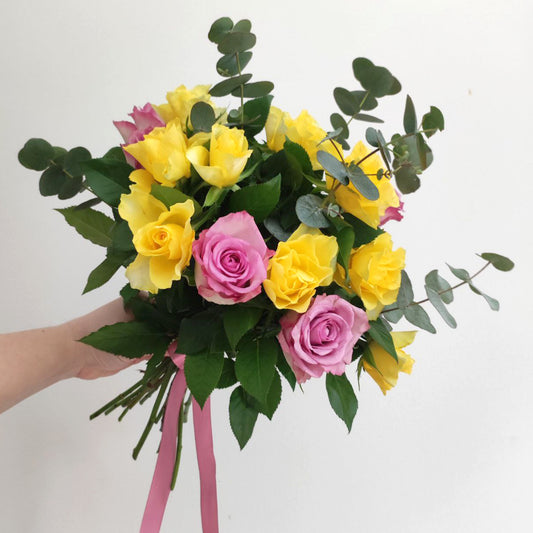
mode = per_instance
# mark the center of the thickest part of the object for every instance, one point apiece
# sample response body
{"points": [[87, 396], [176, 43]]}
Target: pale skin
{"points": [[35, 359]]}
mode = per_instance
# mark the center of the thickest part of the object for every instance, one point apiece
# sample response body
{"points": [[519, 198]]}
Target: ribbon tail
{"points": [[206, 465], [160, 488]]}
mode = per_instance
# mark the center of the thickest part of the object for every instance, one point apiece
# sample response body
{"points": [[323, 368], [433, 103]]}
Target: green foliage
{"points": [[259, 200], [335, 168], [342, 398], [309, 210], [227, 377], [201, 332], [273, 398], [362, 182], [286, 370], [219, 29], [238, 321], [347, 101], [203, 371], [103, 272], [433, 121], [438, 303], [254, 89], [129, 339], [378, 81], [498, 261], [417, 315], [363, 233], [108, 179], [463, 275], [228, 65], [236, 42], [202, 117], [407, 179], [91, 224], [52, 182], [255, 366], [170, 196], [242, 416], [409, 116], [74, 159], [438, 284], [254, 115], [36, 154], [379, 332]]}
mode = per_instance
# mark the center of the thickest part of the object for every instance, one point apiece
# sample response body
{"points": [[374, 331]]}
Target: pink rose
{"points": [[321, 339], [145, 119], [231, 260], [393, 213]]}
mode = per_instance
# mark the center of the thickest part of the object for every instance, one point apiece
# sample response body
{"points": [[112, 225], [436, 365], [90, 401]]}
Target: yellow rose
{"points": [[226, 158], [375, 274], [162, 237], [180, 102], [303, 130], [352, 201], [162, 153], [382, 367], [300, 265]]}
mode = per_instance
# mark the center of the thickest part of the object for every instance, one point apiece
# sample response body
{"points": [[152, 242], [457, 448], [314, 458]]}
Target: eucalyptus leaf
{"points": [[433, 121], [254, 89], [378, 80], [363, 117], [338, 122], [225, 87], [310, 211], [52, 180], [71, 187], [202, 116], [335, 168], [440, 285], [236, 41], [371, 136], [362, 182], [219, 29], [274, 227], [498, 261], [73, 160], [36, 154], [407, 179], [438, 304], [417, 315], [493, 303], [348, 103], [409, 116], [230, 65]]}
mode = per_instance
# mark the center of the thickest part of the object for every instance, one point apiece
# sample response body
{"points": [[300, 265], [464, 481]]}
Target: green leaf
{"points": [[73, 160], [257, 111], [129, 339], [275, 228], [417, 315], [409, 116], [379, 332], [242, 416], [439, 305], [258, 200], [393, 316], [372, 137], [243, 25], [254, 90], [228, 66], [170, 196], [362, 182], [203, 371], [460, 273], [335, 168], [255, 366], [365, 99], [198, 333], [36, 154], [309, 211], [236, 42], [345, 239], [238, 321], [378, 80], [286, 370], [440, 285], [202, 116], [91, 224], [225, 87], [348, 103], [70, 188], [116, 153], [215, 195], [433, 121], [337, 121], [363, 117], [363, 232], [493, 303], [228, 377], [273, 398], [407, 179], [52, 180], [219, 29], [498, 261], [297, 155], [342, 398], [103, 272], [108, 179], [405, 294], [122, 238]]}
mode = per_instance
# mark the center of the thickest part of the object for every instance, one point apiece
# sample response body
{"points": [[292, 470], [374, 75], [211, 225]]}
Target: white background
{"points": [[448, 450]]}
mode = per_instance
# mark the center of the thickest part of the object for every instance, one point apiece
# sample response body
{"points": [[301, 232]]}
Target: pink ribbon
{"points": [[160, 488]]}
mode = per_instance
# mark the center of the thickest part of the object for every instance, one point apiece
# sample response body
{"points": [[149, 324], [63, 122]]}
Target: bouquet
{"points": [[255, 249]]}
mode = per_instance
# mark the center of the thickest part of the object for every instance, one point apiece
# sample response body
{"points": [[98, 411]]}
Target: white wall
{"points": [[449, 450]]}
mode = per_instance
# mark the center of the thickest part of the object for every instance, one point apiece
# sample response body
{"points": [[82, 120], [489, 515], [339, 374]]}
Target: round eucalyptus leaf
{"points": [[309, 211], [74, 158], [36, 154], [219, 29], [362, 183], [52, 179], [235, 42], [228, 66], [498, 261], [202, 116]]}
